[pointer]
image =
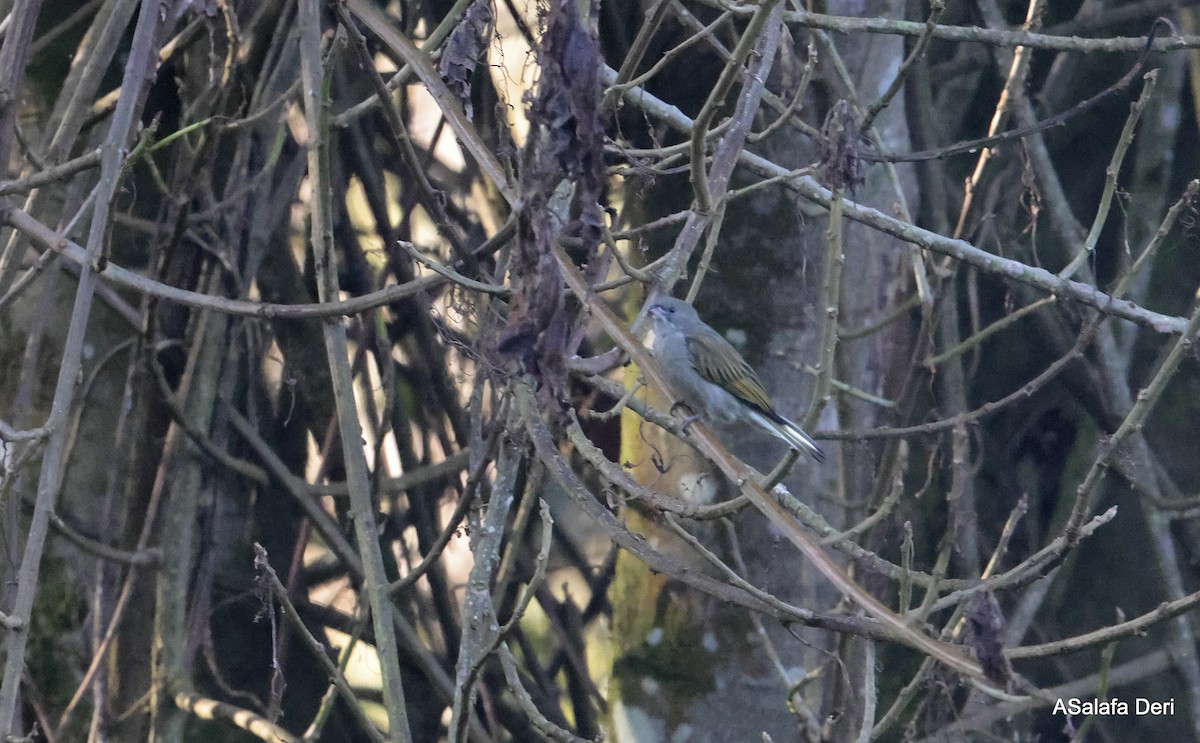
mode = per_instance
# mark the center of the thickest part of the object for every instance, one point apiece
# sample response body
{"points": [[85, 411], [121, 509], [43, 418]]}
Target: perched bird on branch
{"points": [[714, 379]]}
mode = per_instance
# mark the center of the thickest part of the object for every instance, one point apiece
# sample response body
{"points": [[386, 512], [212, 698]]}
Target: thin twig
{"points": [[316, 112]]}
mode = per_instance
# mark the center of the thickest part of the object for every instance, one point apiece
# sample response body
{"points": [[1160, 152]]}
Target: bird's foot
{"points": [[689, 420], [683, 425]]}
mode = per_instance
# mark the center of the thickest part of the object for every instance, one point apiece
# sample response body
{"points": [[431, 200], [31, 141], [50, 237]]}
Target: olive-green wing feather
{"points": [[719, 363]]}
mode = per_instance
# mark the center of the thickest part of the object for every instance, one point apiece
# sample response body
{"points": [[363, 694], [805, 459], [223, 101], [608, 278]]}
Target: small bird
{"points": [[713, 377]]}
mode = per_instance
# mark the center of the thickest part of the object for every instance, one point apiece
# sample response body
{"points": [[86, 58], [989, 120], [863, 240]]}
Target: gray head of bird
{"points": [[673, 312]]}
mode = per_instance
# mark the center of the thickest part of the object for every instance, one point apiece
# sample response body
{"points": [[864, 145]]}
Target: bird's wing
{"points": [[719, 363]]}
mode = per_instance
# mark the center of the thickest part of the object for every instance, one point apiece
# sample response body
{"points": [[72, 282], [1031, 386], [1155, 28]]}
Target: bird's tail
{"points": [[792, 434]]}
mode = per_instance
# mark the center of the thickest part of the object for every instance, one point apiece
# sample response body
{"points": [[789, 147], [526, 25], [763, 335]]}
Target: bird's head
{"points": [[671, 312]]}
